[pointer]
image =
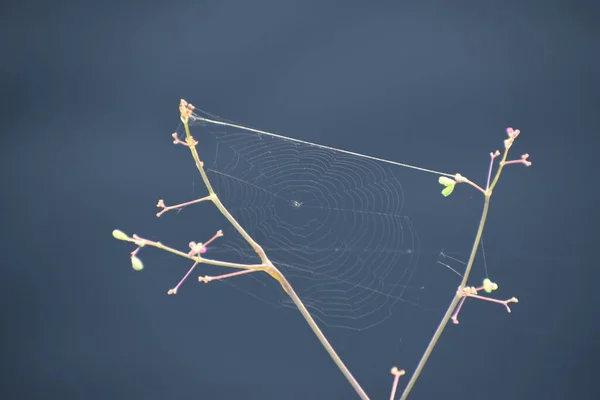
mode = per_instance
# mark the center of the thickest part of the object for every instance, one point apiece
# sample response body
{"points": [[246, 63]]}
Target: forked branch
{"points": [[186, 111], [198, 249], [463, 291]]}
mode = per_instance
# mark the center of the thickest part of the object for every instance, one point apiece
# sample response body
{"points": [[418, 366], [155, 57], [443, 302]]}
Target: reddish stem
{"points": [[397, 374], [207, 278], [174, 290]]}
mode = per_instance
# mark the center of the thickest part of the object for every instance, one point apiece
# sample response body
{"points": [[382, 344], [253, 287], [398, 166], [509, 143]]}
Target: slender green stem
{"points": [[196, 258], [442, 325], [269, 268], [451, 307], [319, 334]]}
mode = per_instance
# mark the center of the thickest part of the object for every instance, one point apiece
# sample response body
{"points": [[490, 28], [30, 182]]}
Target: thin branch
{"points": [[141, 242], [161, 204], [186, 111], [397, 374], [459, 297], [207, 278], [198, 249]]}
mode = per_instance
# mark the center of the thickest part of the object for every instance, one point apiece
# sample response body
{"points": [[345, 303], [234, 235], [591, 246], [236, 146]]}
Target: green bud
{"points": [[117, 234], [136, 263], [447, 190], [444, 180], [489, 286]]}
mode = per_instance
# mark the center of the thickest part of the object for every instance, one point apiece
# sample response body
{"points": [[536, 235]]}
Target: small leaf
{"points": [[444, 180], [117, 234], [136, 263], [447, 190]]}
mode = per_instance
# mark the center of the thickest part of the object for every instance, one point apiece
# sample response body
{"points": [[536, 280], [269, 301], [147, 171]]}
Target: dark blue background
{"points": [[90, 93]]}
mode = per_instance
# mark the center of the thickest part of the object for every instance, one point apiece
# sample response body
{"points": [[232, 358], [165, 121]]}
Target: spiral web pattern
{"points": [[331, 222]]}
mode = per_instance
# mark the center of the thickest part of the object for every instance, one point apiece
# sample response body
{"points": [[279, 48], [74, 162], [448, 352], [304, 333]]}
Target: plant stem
{"points": [[448, 315], [269, 268], [451, 307]]}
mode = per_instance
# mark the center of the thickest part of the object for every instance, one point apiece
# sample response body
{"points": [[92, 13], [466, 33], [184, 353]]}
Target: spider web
{"points": [[332, 223]]}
